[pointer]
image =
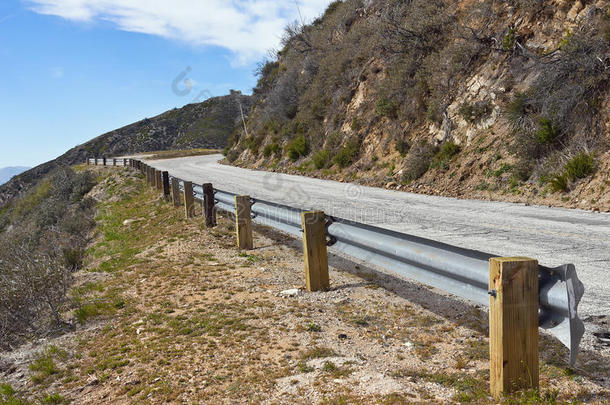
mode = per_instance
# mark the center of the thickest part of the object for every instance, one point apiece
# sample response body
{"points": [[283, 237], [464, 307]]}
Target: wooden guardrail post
{"points": [[189, 200], [125, 162], [513, 324], [158, 180], [148, 175], [165, 176], [113, 161], [87, 158], [209, 208], [103, 161], [243, 222], [176, 192], [314, 250]]}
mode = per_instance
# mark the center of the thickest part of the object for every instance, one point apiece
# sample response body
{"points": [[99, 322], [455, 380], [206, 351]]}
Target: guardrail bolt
{"points": [[314, 250], [513, 324]]}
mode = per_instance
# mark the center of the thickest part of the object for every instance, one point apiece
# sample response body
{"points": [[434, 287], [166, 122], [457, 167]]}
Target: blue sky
{"points": [[73, 69]]}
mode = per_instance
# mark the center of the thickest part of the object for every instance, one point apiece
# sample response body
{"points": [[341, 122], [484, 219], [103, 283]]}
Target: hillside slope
{"points": [[479, 99], [203, 125]]}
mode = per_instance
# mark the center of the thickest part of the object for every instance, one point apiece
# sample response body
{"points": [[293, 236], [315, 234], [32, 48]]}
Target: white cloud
{"points": [[249, 28]]}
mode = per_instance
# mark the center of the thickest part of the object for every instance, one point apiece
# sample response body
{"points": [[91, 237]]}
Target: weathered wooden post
{"points": [[189, 200], [113, 161], [176, 192], [209, 208], [314, 250], [103, 161], [513, 324], [158, 180], [125, 162], [165, 176], [243, 222], [87, 158]]}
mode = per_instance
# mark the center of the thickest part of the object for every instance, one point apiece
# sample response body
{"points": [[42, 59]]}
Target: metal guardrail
{"points": [[109, 162], [462, 272]]}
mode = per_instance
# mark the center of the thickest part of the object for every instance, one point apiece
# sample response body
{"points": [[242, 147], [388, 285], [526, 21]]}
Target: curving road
{"points": [[554, 236]]}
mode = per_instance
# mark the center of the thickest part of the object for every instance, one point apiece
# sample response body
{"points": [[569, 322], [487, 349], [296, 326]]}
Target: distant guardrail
{"points": [[521, 294]]}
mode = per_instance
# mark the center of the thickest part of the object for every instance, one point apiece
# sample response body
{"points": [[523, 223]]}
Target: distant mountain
{"points": [[7, 173], [209, 124]]}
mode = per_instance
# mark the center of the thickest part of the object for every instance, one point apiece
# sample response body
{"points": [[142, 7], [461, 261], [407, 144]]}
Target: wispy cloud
{"points": [[248, 28]]}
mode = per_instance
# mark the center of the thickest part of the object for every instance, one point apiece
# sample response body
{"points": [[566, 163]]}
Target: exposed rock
{"points": [[290, 293]]}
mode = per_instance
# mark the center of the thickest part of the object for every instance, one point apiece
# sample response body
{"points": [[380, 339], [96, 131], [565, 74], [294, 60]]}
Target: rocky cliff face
{"points": [[203, 125], [483, 99]]}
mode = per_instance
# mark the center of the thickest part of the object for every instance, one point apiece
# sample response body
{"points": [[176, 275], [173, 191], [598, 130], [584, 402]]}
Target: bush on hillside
{"points": [[52, 224], [272, 149], [418, 161], [298, 148], [580, 166], [444, 155], [321, 159], [347, 154]]}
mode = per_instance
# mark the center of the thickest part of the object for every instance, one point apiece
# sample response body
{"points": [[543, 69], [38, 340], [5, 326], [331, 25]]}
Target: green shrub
{"points": [[516, 111], [402, 147], [386, 107], [580, 166], [508, 43], [298, 148], [272, 149], [547, 132], [442, 158], [321, 159], [559, 182], [347, 154], [475, 112]]}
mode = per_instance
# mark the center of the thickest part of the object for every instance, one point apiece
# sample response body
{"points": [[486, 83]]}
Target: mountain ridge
{"points": [[198, 125]]}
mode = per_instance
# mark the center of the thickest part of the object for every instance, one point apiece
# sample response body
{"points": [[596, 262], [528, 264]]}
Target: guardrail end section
{"points": [[513, 324], [314, 250], [562, 287]]}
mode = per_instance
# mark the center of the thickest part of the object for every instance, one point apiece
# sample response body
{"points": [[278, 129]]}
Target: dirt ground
{"points": [[170, 312]]}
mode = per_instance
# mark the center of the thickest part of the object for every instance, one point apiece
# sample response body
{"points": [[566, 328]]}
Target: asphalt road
{"points": [[554, 236]]}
